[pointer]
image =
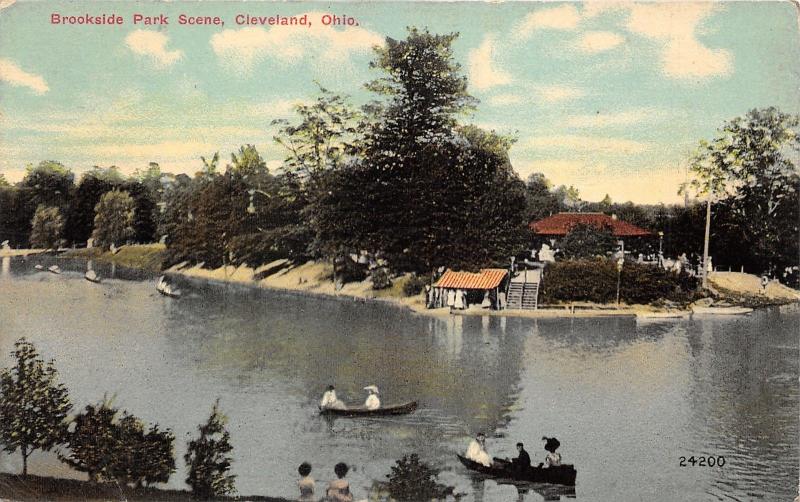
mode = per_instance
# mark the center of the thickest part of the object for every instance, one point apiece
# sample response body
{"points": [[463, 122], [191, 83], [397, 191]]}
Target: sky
{"points": [[609, 97]]}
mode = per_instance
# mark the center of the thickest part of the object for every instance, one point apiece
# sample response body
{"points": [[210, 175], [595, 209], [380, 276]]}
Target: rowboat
{"points": [[91, 276], [38, 267], [658, 316], [395, 409], [721, 310], [54, 269], [163, 287], [501, 469]]}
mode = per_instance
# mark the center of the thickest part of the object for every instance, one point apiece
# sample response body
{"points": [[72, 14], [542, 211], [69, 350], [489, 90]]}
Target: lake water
{"points": [[626, 400]]}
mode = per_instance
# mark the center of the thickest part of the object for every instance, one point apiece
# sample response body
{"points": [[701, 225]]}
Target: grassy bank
{"points": [[18, 487], [142, 256]]}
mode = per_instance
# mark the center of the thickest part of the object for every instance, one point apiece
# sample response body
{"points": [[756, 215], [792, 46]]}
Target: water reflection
{"points": [[625, 400]]}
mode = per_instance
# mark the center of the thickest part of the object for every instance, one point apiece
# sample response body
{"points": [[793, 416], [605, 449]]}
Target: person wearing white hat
{"points": [[372, 402]]}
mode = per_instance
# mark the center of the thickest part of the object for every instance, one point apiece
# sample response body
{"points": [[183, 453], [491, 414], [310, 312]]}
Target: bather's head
{"points": [[341, 470], [304, 469]]}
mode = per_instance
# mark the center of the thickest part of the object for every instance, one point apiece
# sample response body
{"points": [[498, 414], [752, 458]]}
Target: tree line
{"points": [[407, 180]]}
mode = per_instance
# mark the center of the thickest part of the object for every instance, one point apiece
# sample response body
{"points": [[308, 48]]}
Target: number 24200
{"points": [[702, 461]]}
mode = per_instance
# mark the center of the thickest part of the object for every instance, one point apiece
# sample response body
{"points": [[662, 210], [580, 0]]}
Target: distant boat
{"points": [[660, 316], [396, 409], [721, 310], [54, 269], [38, 267], [166, 289], [91, 276]]}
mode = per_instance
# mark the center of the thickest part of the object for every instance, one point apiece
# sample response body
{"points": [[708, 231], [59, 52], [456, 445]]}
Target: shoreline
{"points": [[313, 279]]}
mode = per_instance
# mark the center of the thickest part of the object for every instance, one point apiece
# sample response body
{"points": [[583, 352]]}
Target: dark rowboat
{"points": [[561, 475], [395, 409]]}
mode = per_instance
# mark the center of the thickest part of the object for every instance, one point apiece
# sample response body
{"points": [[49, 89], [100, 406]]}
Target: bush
{"points": [[596, 281], [46, 227], [412, 480], [109, 447], [207, 459], [414, 285], [381, 278]]}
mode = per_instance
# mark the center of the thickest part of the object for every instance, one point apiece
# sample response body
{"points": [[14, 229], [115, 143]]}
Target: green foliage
{"points": [[49, 183], [114, 219], [33, 405], [247, 162], [381, 279], [110, 446], [80, 215], [540, 201], [208, 459], [3, 181], [749, 169], [586, 241], [595, 280], [415, 481], [414, 285], [46, 227]]}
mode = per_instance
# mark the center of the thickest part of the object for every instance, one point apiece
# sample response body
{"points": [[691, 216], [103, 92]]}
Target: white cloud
{"points": [[153, 45], [593, 42], [506, 99], [16, 76], [558, 93], [565, 17], [594, 144], [628, 117], [246, 47], [675, 25], [482, 71]]}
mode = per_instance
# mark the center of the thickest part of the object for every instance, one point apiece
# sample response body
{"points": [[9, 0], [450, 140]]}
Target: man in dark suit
{"points": [[523, 460]]}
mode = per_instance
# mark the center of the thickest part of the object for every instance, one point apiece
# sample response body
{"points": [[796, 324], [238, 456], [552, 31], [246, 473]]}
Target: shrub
{"points": [[585, 241], [412, 480], [33, 405], [381, 278], [349, 271], [207, 459], [414, 285], [110, 447], [596, 281]]}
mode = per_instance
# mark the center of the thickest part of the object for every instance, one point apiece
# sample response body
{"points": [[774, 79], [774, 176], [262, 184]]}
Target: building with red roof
{"points": [[559, 225]]}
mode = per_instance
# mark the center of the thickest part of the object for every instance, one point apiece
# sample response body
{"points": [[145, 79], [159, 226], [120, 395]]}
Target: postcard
{"points": [[410, 251]]}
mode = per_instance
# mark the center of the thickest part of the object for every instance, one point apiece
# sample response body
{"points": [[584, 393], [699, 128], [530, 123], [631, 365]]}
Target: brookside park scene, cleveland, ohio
{"points": [[430, 251]]}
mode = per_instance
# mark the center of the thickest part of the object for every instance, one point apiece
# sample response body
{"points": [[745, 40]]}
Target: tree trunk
{"points": [[25, 460]]}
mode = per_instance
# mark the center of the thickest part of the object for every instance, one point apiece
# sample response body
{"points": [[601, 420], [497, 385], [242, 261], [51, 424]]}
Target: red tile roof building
{"points": [[560, 224], [488, 278]]}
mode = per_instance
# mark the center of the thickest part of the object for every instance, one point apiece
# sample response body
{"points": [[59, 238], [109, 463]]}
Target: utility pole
{"points": [[705, 242]]}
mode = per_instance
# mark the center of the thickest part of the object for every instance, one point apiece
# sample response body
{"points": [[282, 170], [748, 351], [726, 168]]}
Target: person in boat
{"points": [[523, 461], [373, 402], [306, 483], [476, 451], [553, 458], [339, 489], [330, 401]]}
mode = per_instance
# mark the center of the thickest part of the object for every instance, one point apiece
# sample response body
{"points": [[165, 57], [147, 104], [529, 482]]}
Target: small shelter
{"points": [[559, 225], [459, 290]]}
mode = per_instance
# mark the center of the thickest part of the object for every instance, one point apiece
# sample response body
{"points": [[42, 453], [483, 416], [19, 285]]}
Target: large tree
{"points": [[80, 215], [427, 192], [749, 171], [33, 404], [46, 227], [114, 219], [48, 183]]}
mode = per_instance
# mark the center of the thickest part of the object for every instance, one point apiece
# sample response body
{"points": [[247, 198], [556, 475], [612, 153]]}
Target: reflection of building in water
{"points": [[6, 271]]}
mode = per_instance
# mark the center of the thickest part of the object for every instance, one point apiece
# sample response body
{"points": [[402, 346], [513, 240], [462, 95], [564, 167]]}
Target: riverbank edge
{"points": [[32, 487], [295, 281]]}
